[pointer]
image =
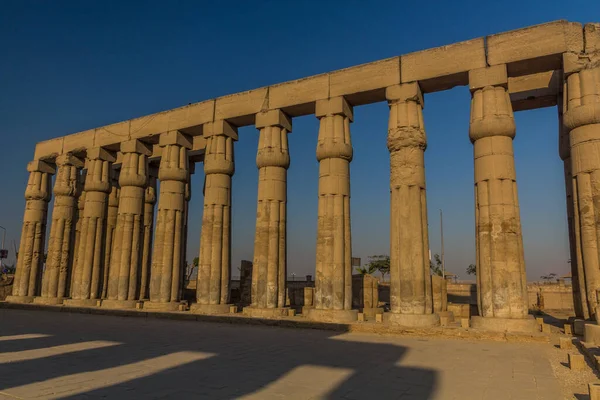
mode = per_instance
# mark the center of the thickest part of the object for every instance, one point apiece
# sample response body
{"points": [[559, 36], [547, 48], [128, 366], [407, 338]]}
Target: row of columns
{"points": [[113, 241]]}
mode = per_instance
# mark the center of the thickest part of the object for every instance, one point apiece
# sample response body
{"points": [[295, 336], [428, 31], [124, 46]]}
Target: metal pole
{"points": [[442, 237]]}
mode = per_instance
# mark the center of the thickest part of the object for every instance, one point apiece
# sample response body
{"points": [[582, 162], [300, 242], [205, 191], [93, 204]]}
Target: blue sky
{"points": [[68, 66]]}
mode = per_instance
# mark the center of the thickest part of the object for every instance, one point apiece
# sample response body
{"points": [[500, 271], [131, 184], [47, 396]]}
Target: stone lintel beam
{"points": [[488, 76], [273, 118], [405, 92], [539, 90], [220, 127], [41, 166], [334, 106]]}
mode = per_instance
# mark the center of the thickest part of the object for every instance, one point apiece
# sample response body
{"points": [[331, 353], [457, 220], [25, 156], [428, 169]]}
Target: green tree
{"points": [[471, 269], [366, 270], [379, 263], [436, 265], [548, 278]]}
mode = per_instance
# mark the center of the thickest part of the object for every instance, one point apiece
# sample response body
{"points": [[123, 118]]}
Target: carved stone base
{"points": [[82, 302], [157, 306], [412, 320], [121, 304], [266, 312], [48, 301], [525, 325], [20, 299], [370, 312], [210, 309], [332, 315]]}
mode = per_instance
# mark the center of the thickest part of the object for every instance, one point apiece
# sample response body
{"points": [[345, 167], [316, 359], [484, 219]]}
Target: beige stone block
{"points": [[551, 39], [464, 322], [300, 92], [241, 104], [365, 78], [591, 334], [233, 309], [444, 320], [404, 92], [535, 90], [576, 362], [191, 115], [594, 391], [441, 61], [546, 328], [41, 166], [79, 141], [291, 312], [48, 149], [175, 137], [592, 37], [488, 76], [149, 125], [361, 317], [220, 127], [111, 134], [199, 143], [334, 106], [379, 318], [273, 118], [539, 321], [98, 153], [136, 146], [565, 343], [568, 330]]}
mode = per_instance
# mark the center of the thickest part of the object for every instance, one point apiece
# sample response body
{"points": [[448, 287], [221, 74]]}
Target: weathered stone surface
{"points": [[111, 225], [149, 203]]}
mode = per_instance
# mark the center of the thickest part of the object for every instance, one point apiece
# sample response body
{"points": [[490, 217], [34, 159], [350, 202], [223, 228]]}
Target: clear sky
{"points": [[68, 66]]}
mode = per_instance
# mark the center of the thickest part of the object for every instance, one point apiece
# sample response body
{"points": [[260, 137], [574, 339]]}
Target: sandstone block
{"points": [[576, 362], [298, 97], [378, 317], [48, 148], [291, 312], [361, 317], [361, 79], [241, 104], [565, 343], [334, 106], [546, 328], [592, 37], [175, 137], [79, 141], [591, 334], [220, 127], [539, 321], [594, 391], [233, 309], [567, 328], [136, 146], [404, 92], [488, 76], [273, 118], [465, 323], [579, 326], [111, 134]]}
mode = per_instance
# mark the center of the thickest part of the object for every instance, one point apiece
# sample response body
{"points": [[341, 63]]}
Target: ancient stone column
{"points": [[333, 283], [33, 235], [111, 224], [87, 279], [79, 217], [270, 250], [410, 287], [582, 120], [126, 257], [212, 292], [578, 287], [60, 251], [149, 202], [186, 205], [501, 280], [167, 261]]}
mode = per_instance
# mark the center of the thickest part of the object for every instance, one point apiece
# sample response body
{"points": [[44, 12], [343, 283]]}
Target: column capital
{"points": [[491, 113], [136, 146], [175, 138], [100, 153], [219, 128], [41, 166], [488, 76], [69, 159], [582, 97], [404, 93], [273, 118], [334, 106]]}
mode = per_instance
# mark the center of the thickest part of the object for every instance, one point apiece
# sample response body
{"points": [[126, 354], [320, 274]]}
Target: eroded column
{"points": [[79, 217], [501, 280], [582, 120], [111, 224], [87, 272], [333, 283], [62, 230], [33, 234], [167, 265], [149, 202], [212, 293], [410, 288], [126, 257], [269, 266]]}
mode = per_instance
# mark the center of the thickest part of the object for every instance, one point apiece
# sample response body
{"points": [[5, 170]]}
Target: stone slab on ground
{"points": [[267, 363]]}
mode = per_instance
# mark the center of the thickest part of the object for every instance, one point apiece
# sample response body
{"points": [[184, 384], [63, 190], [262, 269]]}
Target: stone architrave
{"points": [[167, 261], [501, 280], [270, 249], [79, 217], [60, 250], [149, 202], [582, 121], [111, 224], [212, 291], [578, 286], [411, 300], [333, 283], [87, 272], [126, 256], [33, 235]]}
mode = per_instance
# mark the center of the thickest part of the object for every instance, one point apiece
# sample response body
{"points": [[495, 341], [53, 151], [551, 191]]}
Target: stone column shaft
{"points": [[582, 121], [272, 160], [126, 257], [215, 246], [60, 250], [502, 286], [87, 273], [77, 240], [410, 288], [167, 259], [111, 224], [333, 283], [33, 235], [149, 203]]}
